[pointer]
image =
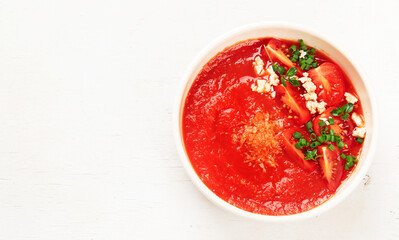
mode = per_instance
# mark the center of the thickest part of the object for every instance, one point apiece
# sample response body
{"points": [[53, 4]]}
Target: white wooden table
{"points": [[86, 93]]}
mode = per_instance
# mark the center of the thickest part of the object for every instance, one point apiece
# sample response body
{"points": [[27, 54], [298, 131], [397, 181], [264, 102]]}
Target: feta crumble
{"points": [[359, 132], [350, 98], [321, 107], [360, 129], [262, 86], [309, 86], [273, 78], [311, 96], [259, 66], [357, 120], [315, 107], [302, 54]]}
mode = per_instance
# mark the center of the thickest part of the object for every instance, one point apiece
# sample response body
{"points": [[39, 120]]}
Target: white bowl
{"points": [[314, 40]]}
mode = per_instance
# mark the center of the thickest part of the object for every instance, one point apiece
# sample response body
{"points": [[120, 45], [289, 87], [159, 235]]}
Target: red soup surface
{"points": [[273, 126]]}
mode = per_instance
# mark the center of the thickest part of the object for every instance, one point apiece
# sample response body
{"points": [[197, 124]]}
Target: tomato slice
{"points": [[295, 154], [275, 51], [332, 166], [330, 77], [292, 99]]}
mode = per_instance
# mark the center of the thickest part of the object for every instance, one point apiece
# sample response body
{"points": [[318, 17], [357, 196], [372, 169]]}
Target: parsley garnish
{"points": [[288, 77]]}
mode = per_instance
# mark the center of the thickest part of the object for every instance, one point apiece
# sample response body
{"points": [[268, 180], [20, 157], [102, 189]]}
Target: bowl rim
{"points": [[179, 102]]}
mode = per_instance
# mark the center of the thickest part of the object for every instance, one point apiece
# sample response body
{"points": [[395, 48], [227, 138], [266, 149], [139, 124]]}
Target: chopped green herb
{"points": [[340, 145], [298, 145], [297, 135], [309, 124], [311, 155], [315, 144], [312, 50], [313, 136], [343, 156], [359, 140], [314, 65], [349, 162], [303, 142], [328, 138], [331, 147], [292, 48], [322, 123], [331, 121]]}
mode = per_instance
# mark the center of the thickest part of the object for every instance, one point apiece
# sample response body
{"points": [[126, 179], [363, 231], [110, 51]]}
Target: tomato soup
{"points": [[273, 126]]}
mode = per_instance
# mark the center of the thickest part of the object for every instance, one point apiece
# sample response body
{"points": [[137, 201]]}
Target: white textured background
{"points": [[86, 94]]}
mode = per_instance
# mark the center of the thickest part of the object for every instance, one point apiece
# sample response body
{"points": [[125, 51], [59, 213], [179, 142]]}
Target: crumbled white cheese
{"points": [[259, 70], [357, 120], [253, 87], [262, 86], [350, 98], [359, 132], [321, 107], [310, 96], [273, 78], [302, 54], [309, 86], [259, 61], [259, 66], [312, 106], [315, 107], [305, 78], [266, 83], [270, 70]]}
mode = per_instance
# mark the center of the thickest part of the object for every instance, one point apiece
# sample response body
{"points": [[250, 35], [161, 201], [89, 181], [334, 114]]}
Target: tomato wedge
{"points": [[332, 166], [295, 154], [329, 76], [292, 99], [274, 50]]}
